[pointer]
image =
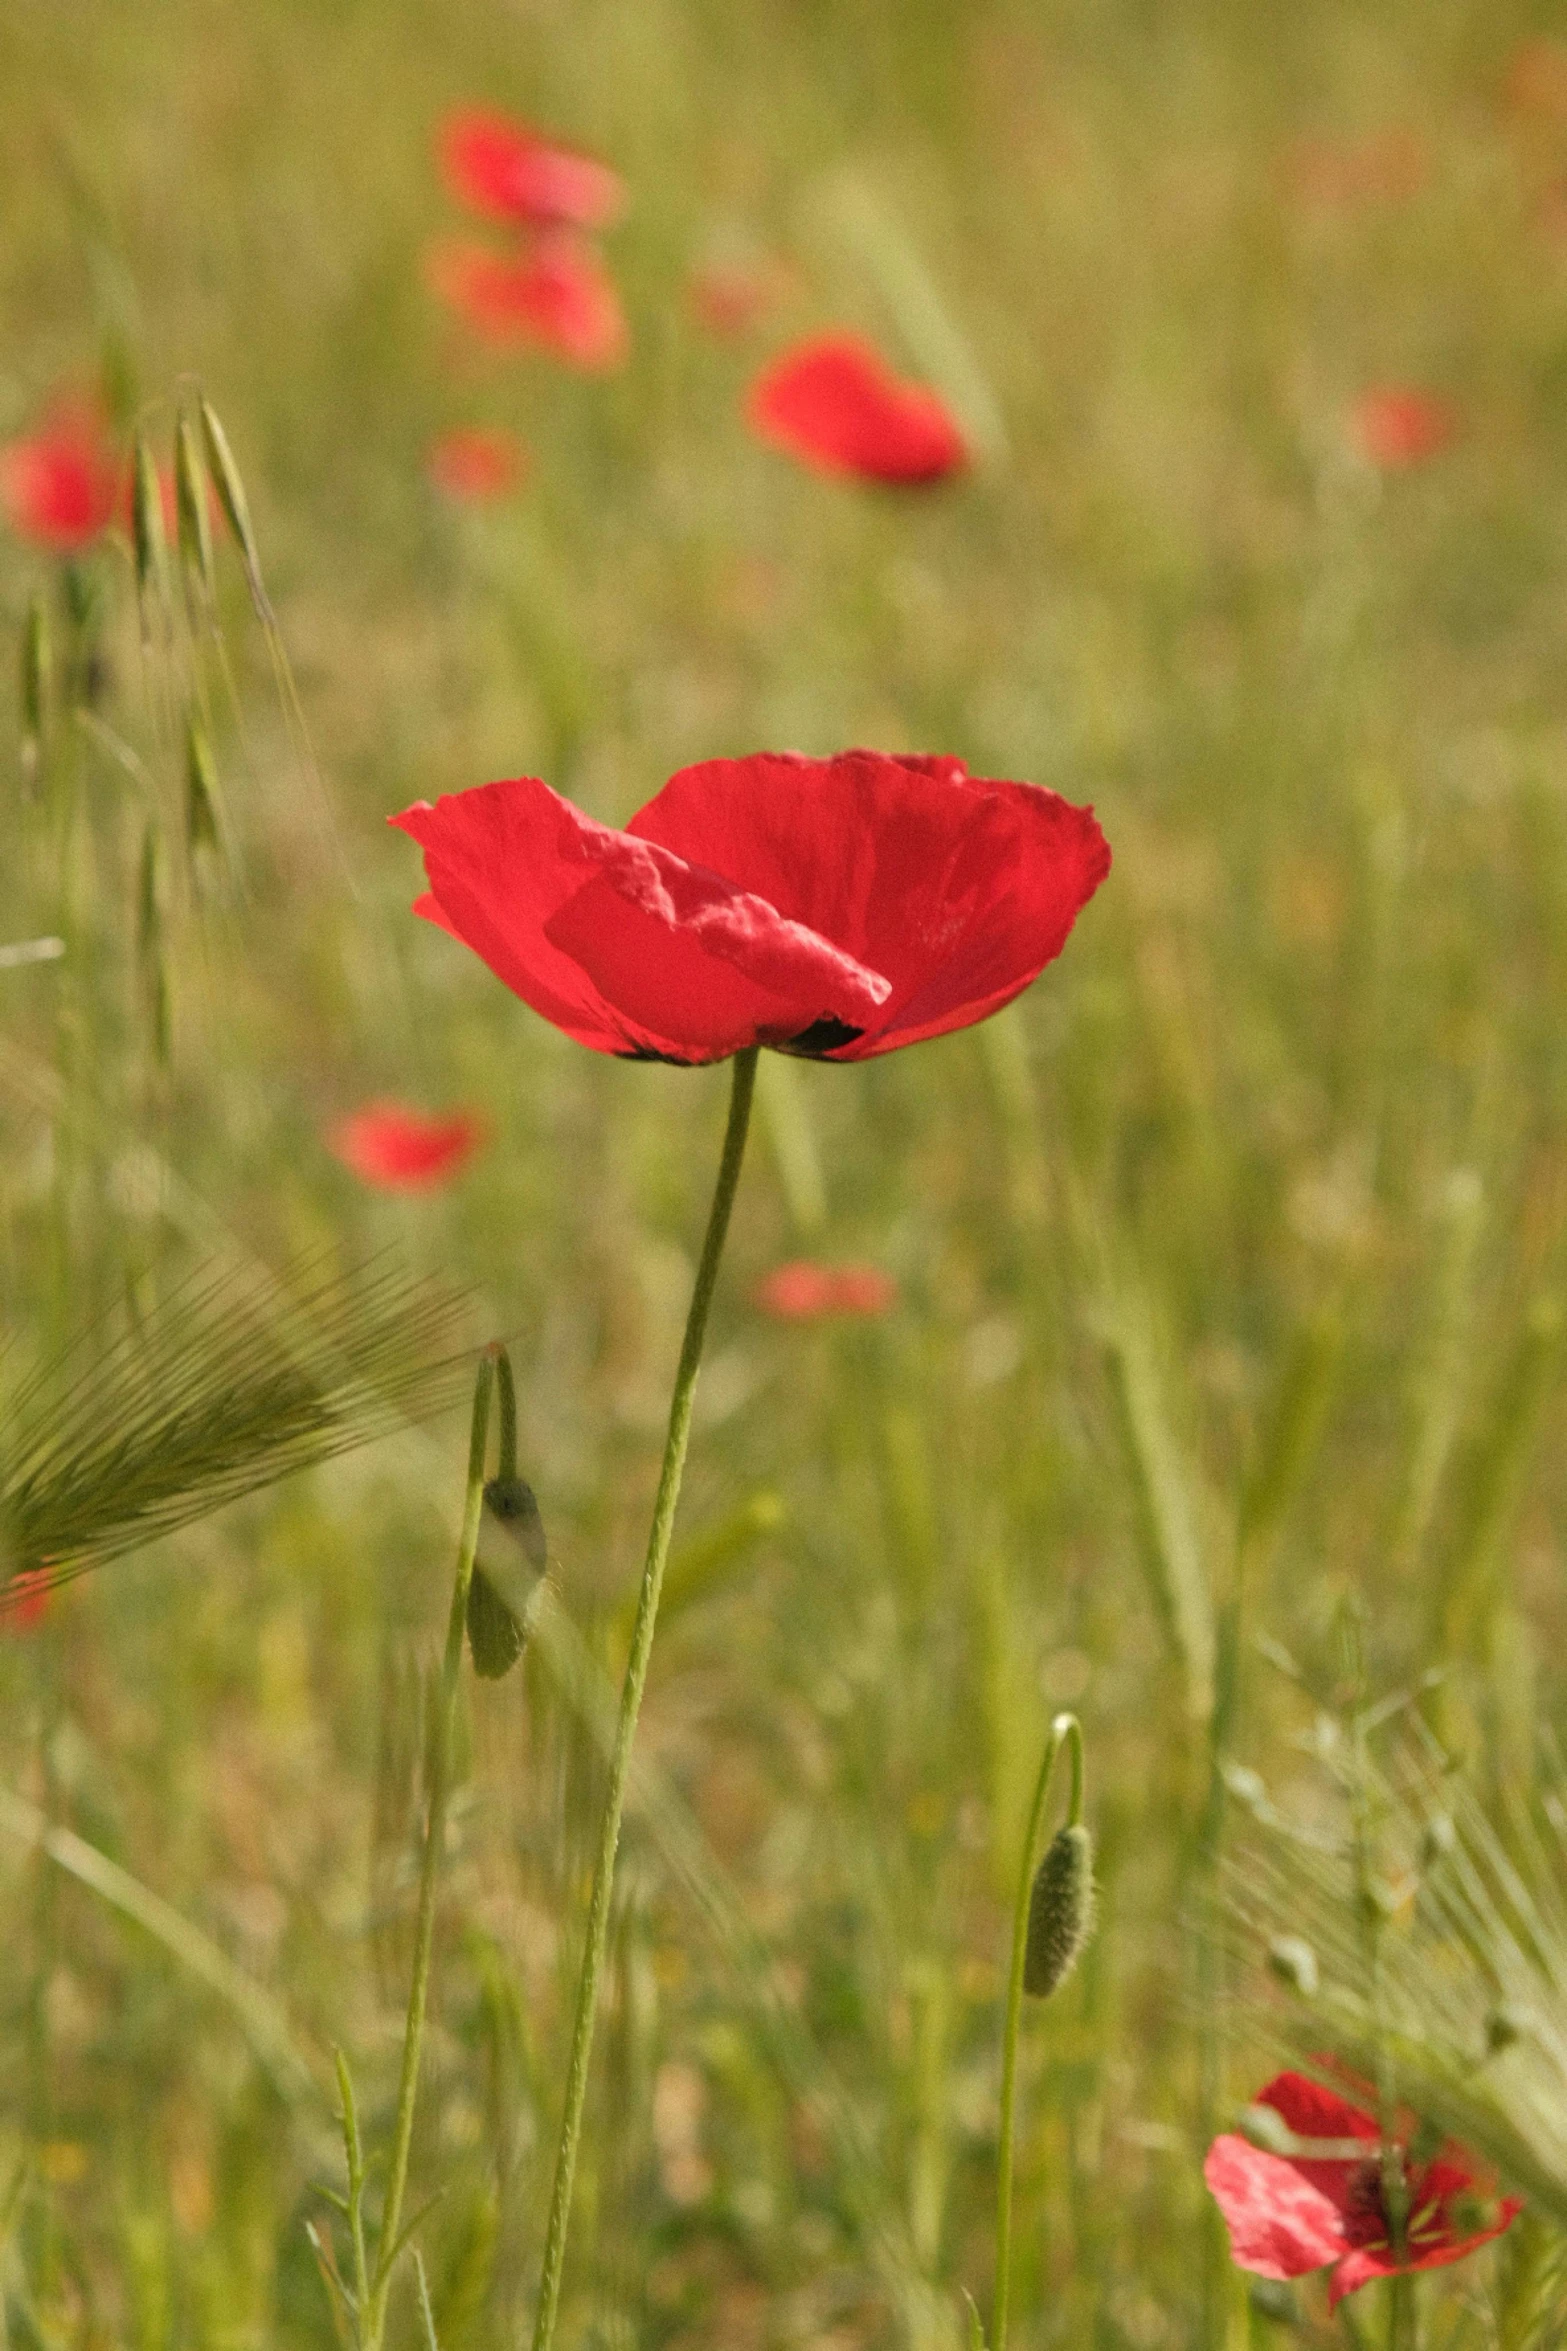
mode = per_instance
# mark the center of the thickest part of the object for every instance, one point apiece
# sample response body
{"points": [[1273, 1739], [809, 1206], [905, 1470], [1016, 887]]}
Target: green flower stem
{"points": [[373, 2310], [1065, 1731], [631, 1691]]}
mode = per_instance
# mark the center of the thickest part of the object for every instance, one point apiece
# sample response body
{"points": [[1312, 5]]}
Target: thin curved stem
{"points": [[387, 2243], [1065, 1731], [675, 1443]]}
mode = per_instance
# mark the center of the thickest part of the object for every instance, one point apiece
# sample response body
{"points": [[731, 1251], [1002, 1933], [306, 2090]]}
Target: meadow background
{"points": [[1235, 1244]]}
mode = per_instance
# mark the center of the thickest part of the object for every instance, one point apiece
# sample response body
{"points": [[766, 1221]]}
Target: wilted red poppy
{"points": [[1288, 2214], [62, 487], [1396, 426], [803, 1291], [557, 293], [836, 405], [403, 1150], [476, 463], [503, 168], [24, 1600], [834, 908]]}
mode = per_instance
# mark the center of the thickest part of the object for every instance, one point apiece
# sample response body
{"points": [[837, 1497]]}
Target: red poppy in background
{"points": [[1396, 426], [477, 463], [24, 1600], [403, 1150], [558, 293], [1388, 167], [1288, 2214], [835, 404], [502, 168], [62, 487], [803, 1291], [835, 908], [1537, 79]]}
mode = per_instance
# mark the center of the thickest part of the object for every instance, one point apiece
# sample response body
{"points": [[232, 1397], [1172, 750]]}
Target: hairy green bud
{"points": [[497, 1618], [1060, 1911]]}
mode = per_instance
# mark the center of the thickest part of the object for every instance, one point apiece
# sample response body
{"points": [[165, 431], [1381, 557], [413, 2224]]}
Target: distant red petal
{"points": [[1397, 426], [803, 1291], [557, 294], [625, 945], [403, 1150], [502, 168], [475, 464], [62, 487], [834, 404], [1537, 80], [1281, 2224], [1388, 167], [958, 888], [24, 1600]]}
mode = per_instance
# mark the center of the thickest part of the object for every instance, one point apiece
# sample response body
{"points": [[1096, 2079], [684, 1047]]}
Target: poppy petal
{"points": [[558, 294], [638, 948], [503, 168], [403, 1150], [1281, 2224], [834, 404], [961, 890], [1365, 2262]]}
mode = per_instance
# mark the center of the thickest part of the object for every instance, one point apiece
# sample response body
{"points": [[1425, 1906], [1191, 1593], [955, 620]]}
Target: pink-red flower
{"points": [[1288, 2214], [62, 487], [834, 404], [835, 908], [24, 1600], [503, 169], [805, 1291], [1396, 426], [555, 292], [403, 1150], [476, 464]]}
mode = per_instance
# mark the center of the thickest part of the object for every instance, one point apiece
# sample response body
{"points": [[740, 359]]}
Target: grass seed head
{"points": [[235, 504], [1060, 1911], [201, 787], [35, 686], [193, 517], [147, 533]]}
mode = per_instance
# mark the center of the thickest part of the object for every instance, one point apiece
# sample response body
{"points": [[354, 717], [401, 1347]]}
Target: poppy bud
{"points": [[1060, 1911], [1294, 1962], [497, 1629]]}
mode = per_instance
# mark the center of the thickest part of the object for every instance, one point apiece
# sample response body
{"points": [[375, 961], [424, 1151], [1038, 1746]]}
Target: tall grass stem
{"points": [[681, 1402], [387, 2243]]}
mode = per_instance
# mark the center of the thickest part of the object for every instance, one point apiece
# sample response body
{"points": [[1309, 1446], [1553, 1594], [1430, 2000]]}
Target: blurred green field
{"points": [[1229, 1257]]}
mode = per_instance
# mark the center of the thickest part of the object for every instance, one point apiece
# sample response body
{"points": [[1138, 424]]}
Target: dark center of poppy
{"points": [[824, 1036]]}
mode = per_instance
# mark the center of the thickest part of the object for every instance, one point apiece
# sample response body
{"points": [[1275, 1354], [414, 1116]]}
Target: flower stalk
{"points": [[1063, 1938], [675, 1443]]}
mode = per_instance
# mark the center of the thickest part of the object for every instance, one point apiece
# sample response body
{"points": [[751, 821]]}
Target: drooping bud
{"points": [[500, 1601], [1060, 1911], [1294, 1962]]}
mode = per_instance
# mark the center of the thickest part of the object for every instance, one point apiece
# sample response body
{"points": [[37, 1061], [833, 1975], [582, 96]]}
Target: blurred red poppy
{"points": [[1288, 2214], [502, 168], [403, 1150], [24, 1600], [835, 404], [557, 293], [803, 1291], [1388, 167], [476, 463], [834, 908], [62, 487], [1396, 426], [1537, 79]]}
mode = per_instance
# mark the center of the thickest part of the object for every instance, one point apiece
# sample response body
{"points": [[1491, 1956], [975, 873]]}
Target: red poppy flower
{"points": [[63, 487], [1397, 426], [836, 405], [402, 1150], [502, 168], [558, 294], [834, 908], [476, 463], [24, 1600], [1288, 2214], [803, 1291]]}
